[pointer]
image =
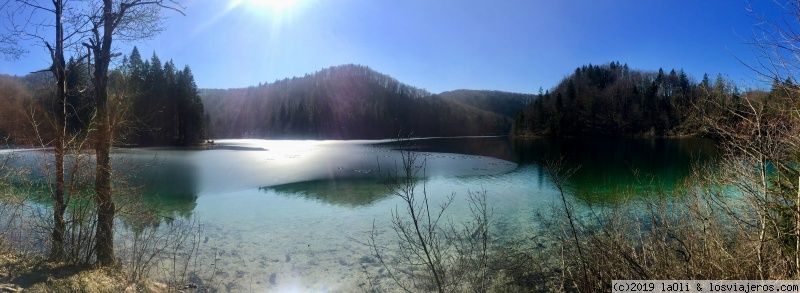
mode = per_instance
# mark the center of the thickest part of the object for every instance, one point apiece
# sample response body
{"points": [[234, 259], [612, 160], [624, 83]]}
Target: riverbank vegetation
{"points": [[73, 105], [736, 218]]}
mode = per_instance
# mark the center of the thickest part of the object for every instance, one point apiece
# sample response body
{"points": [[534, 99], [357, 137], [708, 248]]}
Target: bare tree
{"points": [[37, 30], [125, 20], [766, 129], [432, 252], [559, 173], [98, 23], [10, 40]]}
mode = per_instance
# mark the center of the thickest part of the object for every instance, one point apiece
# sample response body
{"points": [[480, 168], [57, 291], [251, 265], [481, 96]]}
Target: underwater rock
{"points": [[272, 280], [10, 288], [366, 259], [187, 288]]}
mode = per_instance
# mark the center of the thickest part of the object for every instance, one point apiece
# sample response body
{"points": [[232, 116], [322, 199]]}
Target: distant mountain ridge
{"points": [[356, 102], [503, 103]]}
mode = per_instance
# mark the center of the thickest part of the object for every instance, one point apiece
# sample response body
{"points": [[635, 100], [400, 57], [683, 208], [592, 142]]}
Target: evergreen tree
{"points": [[79, 96], [166, 108], [615, 100]]}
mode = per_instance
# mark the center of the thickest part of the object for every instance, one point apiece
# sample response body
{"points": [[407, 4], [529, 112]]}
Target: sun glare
{"points": [[273, 5]]}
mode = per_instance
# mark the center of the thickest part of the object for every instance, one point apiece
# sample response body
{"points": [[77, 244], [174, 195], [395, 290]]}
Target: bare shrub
{"points": [[165, 251], [713, 227], [431, 253]]}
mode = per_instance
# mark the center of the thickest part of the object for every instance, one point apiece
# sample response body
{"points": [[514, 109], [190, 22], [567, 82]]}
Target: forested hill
{"points": [[353, 102], [614, 100], [503, 103]]}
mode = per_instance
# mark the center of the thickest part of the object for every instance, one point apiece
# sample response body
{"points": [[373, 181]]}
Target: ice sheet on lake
{"points": [[228, 167]]}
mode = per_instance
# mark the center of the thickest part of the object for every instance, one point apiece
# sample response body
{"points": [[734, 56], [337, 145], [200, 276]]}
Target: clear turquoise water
{"points": [[302, 209]]}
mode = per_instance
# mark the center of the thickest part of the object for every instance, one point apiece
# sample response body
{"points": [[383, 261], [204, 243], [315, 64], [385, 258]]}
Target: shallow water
{"points": [[293, 215]]}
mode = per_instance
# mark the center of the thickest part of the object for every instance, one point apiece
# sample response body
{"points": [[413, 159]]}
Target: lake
{"points": [[284, 215]]}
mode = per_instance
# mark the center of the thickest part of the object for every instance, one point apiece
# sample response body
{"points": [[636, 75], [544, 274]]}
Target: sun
{"points": [[273, 5]]}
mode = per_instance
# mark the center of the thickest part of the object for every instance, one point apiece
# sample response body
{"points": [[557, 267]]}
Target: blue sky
{"points": [[443, 45]]}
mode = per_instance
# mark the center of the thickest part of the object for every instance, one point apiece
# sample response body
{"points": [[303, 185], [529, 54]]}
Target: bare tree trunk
{"points": [[105, 204], [100, 45], [57, 250]]}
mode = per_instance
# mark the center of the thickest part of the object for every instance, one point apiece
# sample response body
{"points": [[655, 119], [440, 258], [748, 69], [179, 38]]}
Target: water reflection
{"points": [[167, 180], [349, 173], [293, 208], [340, 192], [500, 147], [609, 165], [606, 166]]}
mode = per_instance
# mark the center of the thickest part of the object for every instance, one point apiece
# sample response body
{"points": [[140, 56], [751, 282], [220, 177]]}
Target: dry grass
{"points": [[36, 274]]}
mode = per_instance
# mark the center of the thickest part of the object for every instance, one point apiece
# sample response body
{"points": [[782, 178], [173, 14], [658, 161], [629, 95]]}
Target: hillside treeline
{"points": [[614, 100], [353, 102], [155, 104], [167, 109], [504, 103], [15, 98]]}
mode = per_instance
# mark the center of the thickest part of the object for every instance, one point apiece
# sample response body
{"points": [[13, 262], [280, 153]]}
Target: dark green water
{"points": [[604, 167], [607, 166]]}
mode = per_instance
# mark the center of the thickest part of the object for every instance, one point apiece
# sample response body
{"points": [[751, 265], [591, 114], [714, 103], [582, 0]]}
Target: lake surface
{"points": [[291, 215], [300, 209]]}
